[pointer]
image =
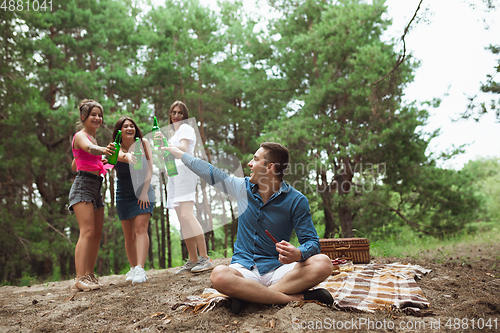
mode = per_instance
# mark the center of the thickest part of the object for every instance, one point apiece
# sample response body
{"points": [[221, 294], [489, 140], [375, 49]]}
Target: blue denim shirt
{"points": [[286, 210]]}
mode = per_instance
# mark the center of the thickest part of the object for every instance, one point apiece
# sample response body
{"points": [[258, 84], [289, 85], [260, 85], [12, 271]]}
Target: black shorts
{"points": [[87, 188]]}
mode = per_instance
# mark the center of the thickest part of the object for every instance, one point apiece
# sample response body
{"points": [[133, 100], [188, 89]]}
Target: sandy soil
{"points": [[463, 288]]}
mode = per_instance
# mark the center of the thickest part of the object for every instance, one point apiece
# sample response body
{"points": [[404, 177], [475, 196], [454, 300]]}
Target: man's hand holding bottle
{"points": [[174, 151]]}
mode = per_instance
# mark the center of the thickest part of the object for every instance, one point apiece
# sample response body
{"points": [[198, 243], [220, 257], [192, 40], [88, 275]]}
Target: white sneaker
{"points": [[130, 274], [140, 275]]}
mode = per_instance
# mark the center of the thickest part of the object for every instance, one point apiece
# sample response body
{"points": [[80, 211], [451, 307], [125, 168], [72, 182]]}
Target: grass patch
{"points": [[407, 243]]}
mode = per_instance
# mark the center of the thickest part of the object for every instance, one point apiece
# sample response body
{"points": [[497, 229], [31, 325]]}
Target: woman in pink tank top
{"points": [[85, 198]]}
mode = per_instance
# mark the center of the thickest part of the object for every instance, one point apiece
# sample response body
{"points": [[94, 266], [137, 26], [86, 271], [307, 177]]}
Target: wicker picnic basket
{"points": [[355, 249]]}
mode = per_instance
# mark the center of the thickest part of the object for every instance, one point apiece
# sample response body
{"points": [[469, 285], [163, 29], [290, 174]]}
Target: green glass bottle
{"points": [[169, 161], [114, 158], [156, 128], [138, 155]]}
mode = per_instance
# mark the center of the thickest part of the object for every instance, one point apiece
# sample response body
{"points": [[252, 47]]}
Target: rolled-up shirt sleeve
{"points": [[304, 228], [229, 184]]}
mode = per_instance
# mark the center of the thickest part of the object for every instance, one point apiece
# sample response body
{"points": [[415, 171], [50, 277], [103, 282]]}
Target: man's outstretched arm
{"points": [[231, 185]]}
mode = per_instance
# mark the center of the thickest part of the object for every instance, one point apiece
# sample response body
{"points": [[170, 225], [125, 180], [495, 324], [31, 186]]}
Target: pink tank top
{"points": [[88, 162]]}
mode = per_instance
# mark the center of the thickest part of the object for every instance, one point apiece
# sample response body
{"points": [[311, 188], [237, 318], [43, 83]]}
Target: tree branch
{"points": [[409, 222], [55, 229], [401, 59], [22, 241]]}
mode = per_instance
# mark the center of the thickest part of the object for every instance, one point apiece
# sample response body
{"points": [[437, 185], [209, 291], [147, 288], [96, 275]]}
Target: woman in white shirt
{"points": [[181, 192]]}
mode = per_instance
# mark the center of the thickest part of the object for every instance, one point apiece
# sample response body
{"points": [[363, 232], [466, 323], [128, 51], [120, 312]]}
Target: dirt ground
{"points": [[463, 289]]}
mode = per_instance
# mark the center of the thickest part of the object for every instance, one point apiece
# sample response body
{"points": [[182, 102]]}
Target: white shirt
{"points": [[185, 132]]}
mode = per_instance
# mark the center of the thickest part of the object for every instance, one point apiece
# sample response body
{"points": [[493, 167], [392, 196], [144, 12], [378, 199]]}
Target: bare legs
{"points": [[304, 275], [135, 231], [191, 230], [90, 223]]}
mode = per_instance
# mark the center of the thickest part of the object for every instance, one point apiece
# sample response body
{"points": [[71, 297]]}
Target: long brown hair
{"points": [[119, 124], [184, 111], [138, 132]]}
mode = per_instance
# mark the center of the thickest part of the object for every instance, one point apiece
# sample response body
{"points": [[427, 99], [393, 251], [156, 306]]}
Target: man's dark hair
{"points": [[278, 155]]}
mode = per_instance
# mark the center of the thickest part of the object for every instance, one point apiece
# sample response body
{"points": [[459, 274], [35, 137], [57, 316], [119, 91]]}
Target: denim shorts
{"points": [[87, 188]]}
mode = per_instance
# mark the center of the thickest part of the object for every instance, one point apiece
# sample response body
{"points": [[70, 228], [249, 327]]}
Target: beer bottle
{"points": [[138, 155], [114, 158], [156, 128], [169, 161]]}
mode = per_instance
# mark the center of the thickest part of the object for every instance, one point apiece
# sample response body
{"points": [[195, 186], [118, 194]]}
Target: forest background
{"points": [[319, 78]]}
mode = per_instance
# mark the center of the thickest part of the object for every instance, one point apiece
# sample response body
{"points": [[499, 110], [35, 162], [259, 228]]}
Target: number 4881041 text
{"points": [[26, 5]]}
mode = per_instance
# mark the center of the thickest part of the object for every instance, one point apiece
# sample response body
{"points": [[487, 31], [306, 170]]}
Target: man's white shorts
{"points": [[267, 279]]}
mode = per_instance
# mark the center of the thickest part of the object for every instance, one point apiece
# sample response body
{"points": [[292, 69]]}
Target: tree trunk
{"points": [[4, 271], [116, 259], [47, 267], [208, 212], [234, 231], [158, 242], [330, 227], [344, 186], [52, 85], [63, 265], [161, 234], [72, 267], [184, 249], [169, 241], [345, 215], [111, 177], [325, 192], [161, 250], [224, 222], [100, 260], [234, 225], [201, 110], [137, 103], [166, 233], [150, 249], [182, 87], [163, 186], [226, 230]]}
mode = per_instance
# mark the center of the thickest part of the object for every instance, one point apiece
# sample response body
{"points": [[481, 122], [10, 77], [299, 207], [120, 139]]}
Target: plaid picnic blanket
{"points": [[378, 286], [202, 303], [368, 288]]}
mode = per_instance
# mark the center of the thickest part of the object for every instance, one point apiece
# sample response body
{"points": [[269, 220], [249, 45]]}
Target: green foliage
{"points": [[307, 80], [81, 50], [476, 107], [356, 148], [404, 242], [485, 183]]}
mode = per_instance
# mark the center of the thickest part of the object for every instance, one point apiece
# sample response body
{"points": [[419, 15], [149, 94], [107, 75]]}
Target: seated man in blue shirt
{"points": [[260, 270]]}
